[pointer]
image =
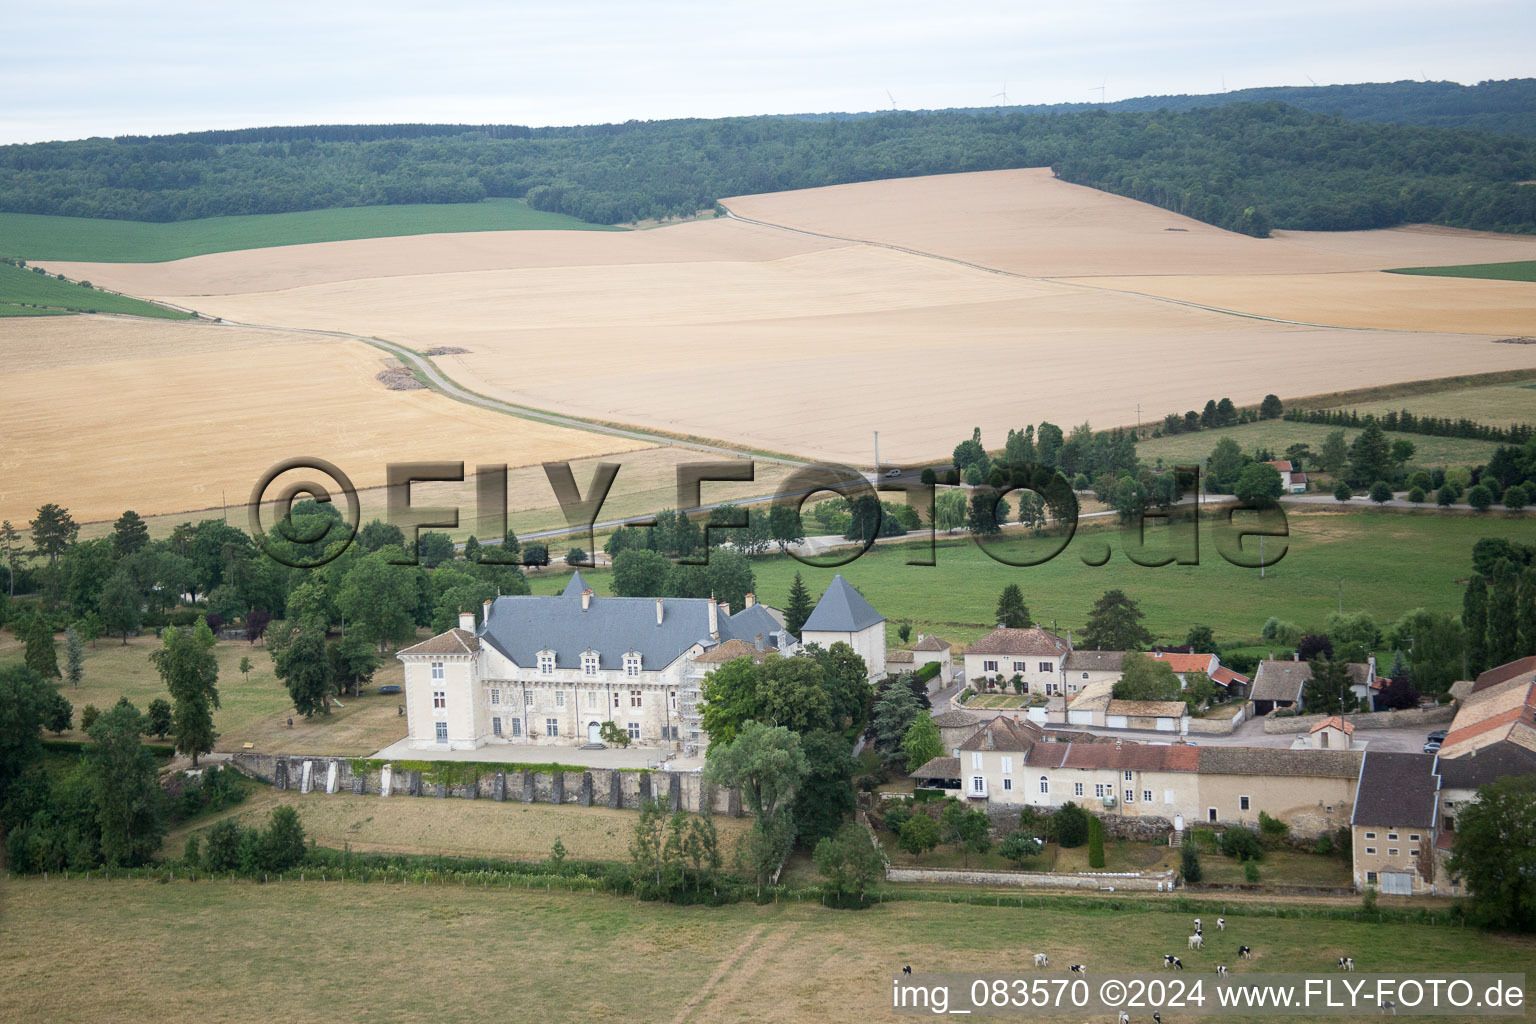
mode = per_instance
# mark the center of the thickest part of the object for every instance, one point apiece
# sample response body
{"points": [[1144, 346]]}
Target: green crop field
{"points": [[35, 237], [1388, 562], [1495, 404], [344, 951], [1520, 270], [21, 290], [1276, 435]]}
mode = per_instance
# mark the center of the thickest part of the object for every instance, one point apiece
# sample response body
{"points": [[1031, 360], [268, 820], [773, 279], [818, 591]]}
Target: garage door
{"points": [[1397, 883]]}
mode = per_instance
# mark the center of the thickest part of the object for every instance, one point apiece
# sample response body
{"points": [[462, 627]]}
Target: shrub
{"points": [[1480, 498], [282, 842], [1381, 492], [1516, 497], [1324, 845], [1069, 826], [191, 855], [1242, 844], [1019, 846], [1251, 871], [1368, 900], [1446, 495], [222, 852], [88, 714], [1272, 826], [1095, 843], [1189, 863], [897, 816], [1341, 491], [1416, 495]]}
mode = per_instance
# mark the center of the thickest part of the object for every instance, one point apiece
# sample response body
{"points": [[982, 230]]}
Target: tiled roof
{"points": [[1133, 757], [954, 718], [455, 641], [1502, 711], [932, 643], [841, 610], [939, 768], [1359, 672], [1503, 673], [1343, 764], [1004, 734], [898, 658], [1034, 641], [1181, 663], [1491, 763], [1397, 789], [1334, 722], [730, 651], [1280, 680], [1094, 661], [1050, 755], [1283, 465], [1148, 708], [1226, 677]]}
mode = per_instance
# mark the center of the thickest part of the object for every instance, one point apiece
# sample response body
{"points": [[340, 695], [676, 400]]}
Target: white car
{"points": [[893, 472]]}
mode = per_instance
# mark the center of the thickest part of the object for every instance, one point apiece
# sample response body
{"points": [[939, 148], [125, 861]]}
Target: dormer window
{"points": [[546, 663], [589, 663], [632, 664]]}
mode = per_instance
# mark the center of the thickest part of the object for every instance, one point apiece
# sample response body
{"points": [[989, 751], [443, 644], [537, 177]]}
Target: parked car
{"points": [[1432, 747], [1438, 736], [893, 472]]}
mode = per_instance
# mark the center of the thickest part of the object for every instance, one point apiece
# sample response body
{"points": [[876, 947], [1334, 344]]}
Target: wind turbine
{"points": [[1309, 78], [1003, 94], [1100, 89], [891, 98]]}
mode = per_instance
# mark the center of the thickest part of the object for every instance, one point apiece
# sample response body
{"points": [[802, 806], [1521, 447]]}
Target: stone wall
{"points": [[1218, 726], [1152, 882], [1404, 719], [596, 787]]}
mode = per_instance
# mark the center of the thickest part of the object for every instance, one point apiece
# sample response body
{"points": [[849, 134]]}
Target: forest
{"points": [[1247, 167]]}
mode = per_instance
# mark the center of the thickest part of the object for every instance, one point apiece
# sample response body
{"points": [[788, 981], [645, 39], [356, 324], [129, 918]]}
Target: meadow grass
{"points": [[1388, 563], [100, 950], [39, 237], [1519, 270], [21, 289], [1276, 435], [1493, 404]]}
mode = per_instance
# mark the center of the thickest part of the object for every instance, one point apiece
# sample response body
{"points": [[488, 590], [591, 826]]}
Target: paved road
{"points": [[1397, 502]]}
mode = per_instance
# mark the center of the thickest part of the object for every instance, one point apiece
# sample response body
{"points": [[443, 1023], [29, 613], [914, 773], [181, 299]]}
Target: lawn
{"points": [[37, 237], [1279, 867], [1361, 548], [254, 709], [21, 290], [1519, 270], [456, 827], [1277, 435], [91, 951]]}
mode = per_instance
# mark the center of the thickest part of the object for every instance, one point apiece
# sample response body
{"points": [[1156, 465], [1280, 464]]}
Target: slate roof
{"points": [[1280, 680], [455, 641], [1093, 661], [1397, 790], [1148, 708], [939, 768], [1004, 733], [841, 610], [1033, 641], [1342, 764], [1499, 761], [523, 625], [932, 643], [1503, 673]]}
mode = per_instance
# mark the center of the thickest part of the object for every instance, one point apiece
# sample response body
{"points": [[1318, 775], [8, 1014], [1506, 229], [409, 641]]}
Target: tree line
{"points": [[1407, 422]]}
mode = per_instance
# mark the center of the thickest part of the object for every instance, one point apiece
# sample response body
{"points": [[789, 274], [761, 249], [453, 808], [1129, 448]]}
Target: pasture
{"points": [[37, 237], [22, 292], [794, 343], [1276, 435], [1496, 404], [1519, 270], [1362, 548], [345, 952]]}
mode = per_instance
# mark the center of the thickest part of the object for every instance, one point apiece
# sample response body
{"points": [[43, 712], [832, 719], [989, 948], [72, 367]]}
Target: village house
{"points": [[1278, 684], [844, 616], [1393, 824], [1292, 480], [1332, 733], [1035, 655], [930, 648]]}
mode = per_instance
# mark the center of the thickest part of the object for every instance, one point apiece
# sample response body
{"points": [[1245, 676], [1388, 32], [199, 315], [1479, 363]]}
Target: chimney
{"points": [[658, 611], [467, 621], [586, 599], [725, 608], [751, 600], [714, 619], [485, 614]]}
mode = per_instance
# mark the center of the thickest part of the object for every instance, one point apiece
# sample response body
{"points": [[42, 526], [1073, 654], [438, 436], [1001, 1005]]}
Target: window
{"points": [[1127, 776], [1146, 796], [976, 760], [517, 727], [1413, 837], [1130, 796], [634, 730], [1242, 803], [1020, 666], [635, 698], [978, 784], [1007, 784], [592, 698], [527, 698], [1085, 675], [1210, 813], [1370, 876], [437, 670], [442, 732], [496, 727], [615, 700], [1045, 785], [589, 664], [989, 666], [1391, 835], [1370, 835], [546, 662], [1330, 808], [1391, 851], [631, 664], [551, 727], [1370, 849], [1077, 789], [1098, 790], [495, 696], [1046, 666], [559, 698], [1007, 765], [439, 699]]}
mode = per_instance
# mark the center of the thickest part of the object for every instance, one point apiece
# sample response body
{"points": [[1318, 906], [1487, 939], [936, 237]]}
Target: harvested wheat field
{"points": [[108, 413]]}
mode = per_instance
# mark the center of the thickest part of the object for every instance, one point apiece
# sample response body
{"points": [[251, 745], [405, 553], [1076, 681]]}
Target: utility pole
{"points": [[1341, 597], [877, 453]]}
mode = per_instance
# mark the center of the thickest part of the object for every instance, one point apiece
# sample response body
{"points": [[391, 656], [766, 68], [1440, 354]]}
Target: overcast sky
{"points": [[72, 68]]}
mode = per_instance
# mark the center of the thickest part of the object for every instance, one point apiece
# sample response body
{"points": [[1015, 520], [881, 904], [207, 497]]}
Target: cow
{"points": [[1168, 959], [1157, 1018], [1389, 1004], [1221, 924], [1220, 969], [1347, 963], [1245, 952], [1196, 942], [1125, 1018], [1041, 960], [1078, 968], [1176, 963], [1197, 924], [907, 969]]}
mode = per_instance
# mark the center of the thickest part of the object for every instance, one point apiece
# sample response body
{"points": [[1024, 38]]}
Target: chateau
{"points": [[553, 670]]}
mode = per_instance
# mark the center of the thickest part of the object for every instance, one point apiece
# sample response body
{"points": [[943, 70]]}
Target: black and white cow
{"points": [[1078, 968], [1245, 952], [1221, 969], [1347, 963], [1041, 960]]}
